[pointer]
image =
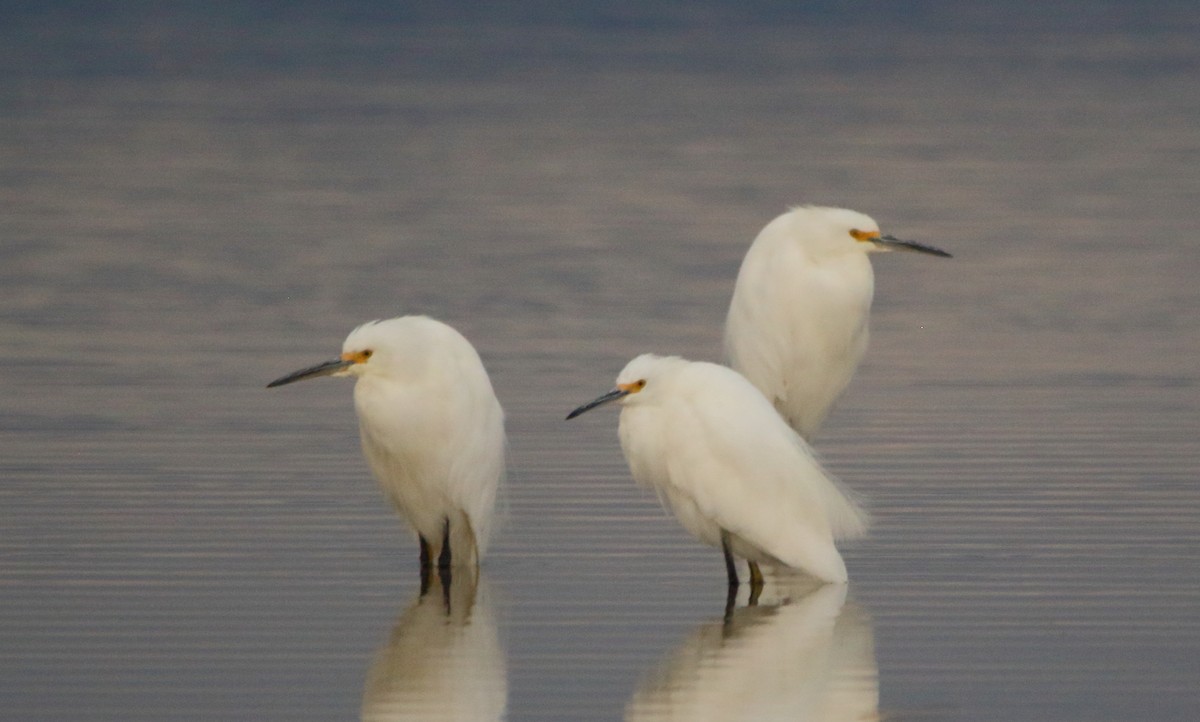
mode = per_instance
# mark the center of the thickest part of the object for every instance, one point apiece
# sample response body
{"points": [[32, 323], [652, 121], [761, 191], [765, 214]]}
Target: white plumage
{"points": [[432, 429], [797, 325], [733, 473]]}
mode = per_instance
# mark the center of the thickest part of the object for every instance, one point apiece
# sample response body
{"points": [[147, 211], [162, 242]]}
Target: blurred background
{"points": [[197, 198]]}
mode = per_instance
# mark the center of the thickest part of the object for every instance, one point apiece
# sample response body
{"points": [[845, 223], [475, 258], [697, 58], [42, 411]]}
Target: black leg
{"points": [[730, 565], [444, 557], [730, 604]]}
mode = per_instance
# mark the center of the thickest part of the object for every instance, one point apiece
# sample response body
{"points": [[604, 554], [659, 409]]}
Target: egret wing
{"points": [[748, 472]]}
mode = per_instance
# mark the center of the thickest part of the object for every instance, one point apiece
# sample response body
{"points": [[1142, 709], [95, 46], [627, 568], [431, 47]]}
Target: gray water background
{"points": [[197, 199]]}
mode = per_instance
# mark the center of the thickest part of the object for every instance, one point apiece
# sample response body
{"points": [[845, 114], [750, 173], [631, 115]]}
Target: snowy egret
{"points": [[734, 474], [797, 324], [432, 430]]}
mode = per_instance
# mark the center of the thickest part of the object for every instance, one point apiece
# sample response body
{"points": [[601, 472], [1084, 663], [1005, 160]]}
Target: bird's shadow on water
{"points": [[802, 652], [442, 660]]}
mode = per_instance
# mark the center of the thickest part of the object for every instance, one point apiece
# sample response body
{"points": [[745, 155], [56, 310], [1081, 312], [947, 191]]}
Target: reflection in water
{"points": [[810, 658], [443, 660]]}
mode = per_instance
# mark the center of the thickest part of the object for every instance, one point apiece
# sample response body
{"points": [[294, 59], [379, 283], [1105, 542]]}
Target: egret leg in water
{"points": [[756, 575]]}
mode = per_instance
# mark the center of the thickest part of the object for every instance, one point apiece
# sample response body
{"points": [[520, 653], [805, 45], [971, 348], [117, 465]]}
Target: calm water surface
{"points": [[196, 202]]}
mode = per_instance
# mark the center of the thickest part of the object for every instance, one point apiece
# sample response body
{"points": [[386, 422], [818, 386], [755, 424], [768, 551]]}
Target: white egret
{"points": [[798, 323], [729, 468], [432, 431]]}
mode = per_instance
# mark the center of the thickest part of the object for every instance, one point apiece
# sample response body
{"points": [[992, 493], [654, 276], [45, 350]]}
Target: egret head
{"points": [[831, 231], [375, 347], [638, 382], [408, 347]]}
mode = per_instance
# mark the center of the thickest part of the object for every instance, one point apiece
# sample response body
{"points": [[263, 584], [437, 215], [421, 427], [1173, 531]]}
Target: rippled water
{"points": [[195, 202]]}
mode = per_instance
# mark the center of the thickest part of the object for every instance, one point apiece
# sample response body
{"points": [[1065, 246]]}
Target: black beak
{"points": [[610, 396], [323, 369], [893, 243]]}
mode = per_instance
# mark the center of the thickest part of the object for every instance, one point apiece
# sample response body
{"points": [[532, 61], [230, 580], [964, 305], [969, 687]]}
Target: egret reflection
{"points": [[442, 661], [811, 657]]}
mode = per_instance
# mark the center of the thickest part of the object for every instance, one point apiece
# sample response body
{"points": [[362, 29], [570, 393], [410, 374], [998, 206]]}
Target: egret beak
{"points": [[322, 369], [610, 396], [891, 243]]}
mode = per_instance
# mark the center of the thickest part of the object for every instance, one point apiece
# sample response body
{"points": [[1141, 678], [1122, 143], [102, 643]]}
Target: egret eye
{"points": [[633, 386], [367, 354]]}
